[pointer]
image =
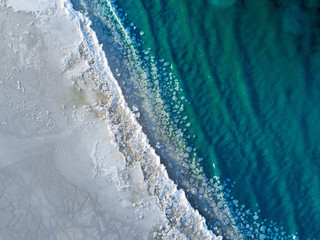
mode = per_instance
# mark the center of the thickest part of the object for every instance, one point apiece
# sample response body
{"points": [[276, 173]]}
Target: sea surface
{"points": [[228, 94]]}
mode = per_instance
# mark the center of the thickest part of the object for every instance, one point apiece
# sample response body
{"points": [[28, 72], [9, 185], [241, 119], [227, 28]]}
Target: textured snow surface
{"points": [[61, 174]]}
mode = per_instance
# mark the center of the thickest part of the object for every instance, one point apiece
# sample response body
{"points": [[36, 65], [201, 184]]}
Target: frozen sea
{"points": [[62, 175]]}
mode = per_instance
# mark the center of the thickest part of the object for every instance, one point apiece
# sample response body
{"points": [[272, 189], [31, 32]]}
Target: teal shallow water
{"points": [[250, 71]]}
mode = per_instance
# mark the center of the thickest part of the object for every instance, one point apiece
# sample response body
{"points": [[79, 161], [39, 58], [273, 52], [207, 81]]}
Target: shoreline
{"points": [[172, 200], [120, 115], [187, 176]]}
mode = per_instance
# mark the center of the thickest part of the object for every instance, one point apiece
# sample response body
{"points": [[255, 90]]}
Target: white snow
{"points": [[61, 174], [60, 177]]}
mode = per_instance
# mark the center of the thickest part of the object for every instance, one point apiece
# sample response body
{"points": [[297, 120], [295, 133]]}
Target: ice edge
{"points": [[122, 121]]}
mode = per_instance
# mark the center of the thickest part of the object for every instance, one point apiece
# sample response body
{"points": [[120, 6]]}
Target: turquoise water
{"points": [[231, 88]]}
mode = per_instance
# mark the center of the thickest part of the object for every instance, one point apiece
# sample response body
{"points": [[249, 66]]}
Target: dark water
{"points": [[241, 80]]}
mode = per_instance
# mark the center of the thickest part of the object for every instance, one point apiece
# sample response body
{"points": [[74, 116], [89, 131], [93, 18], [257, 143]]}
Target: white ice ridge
{"points": [[62, 121]]}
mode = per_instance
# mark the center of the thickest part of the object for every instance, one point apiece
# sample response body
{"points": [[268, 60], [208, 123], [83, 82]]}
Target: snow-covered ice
{"points": [[61, 173]]}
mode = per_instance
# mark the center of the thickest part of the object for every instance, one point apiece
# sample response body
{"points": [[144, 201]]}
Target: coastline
{"points": [[142, 92], [93, 94], [134, 142]]}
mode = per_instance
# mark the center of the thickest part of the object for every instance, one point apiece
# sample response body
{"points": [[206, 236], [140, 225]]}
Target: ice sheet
{"points": [[61, 177], [61, 174]]}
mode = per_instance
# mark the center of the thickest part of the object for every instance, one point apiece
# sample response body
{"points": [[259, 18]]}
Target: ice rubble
{"points": [[61, 174]]}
